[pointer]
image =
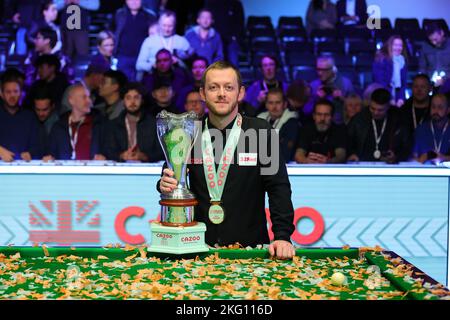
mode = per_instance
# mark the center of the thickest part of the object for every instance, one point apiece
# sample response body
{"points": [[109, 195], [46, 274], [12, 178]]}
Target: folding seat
{"points": [[295, 58], [330, 47], [259, 22], [306, 73], [410, 24], [358, 47], [441, 22], [319, 35], [290, 23]]}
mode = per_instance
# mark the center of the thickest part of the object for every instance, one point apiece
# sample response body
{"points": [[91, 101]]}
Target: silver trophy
{"points": [[177, 134]]}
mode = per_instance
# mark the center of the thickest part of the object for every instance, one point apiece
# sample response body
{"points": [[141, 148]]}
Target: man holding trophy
{"points": [[235, 160]]}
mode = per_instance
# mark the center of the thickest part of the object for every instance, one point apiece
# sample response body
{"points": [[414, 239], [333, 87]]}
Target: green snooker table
{"points": [[110, 273]]}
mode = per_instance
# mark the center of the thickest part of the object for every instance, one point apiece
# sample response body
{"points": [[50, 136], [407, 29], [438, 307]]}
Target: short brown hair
{"points": [[222, 65]]}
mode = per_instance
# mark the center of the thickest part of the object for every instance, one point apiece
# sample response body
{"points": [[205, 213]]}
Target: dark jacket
{"points": [[229, 19], [29, 10], [121, 19], [360, 10], [399, 140], [405, 114], [59, 145], [147, 139], [383, 68]]}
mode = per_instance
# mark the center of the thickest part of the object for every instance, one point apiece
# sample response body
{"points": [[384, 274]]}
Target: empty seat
{"points": [[259, 22], [304, 73], [287, 35], [290, 23], [299, 46], [319, 35], [330, 47], [352, 33], [298, 58], [357, 47], [364, 61], [402, 24]]}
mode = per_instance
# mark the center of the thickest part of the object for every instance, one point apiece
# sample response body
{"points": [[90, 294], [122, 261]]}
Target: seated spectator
{"points": [[44, 105], [132, 23], [110, 90], [229, 21], [17, 75], [377, 133], [19, 128], [321, 14], [435, 56], [153, 29], [48, 18], [166, 71], [300, 100], [199, 65], [330, 84], [105, 46], [48, 67], [22, 13], [352, 12], [195, 103], [132, 136], [45, 41], [92, 79], [256, 93], [322, 141], [390, 69], [432, 137], [416, 109], [204, 39], [76, 41], [283, 120], [352, 106], [77, 134], [177, 45], [163, 95]]}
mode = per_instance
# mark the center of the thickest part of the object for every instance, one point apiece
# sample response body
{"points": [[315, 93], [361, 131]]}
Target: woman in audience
{"points": [[321, 14], [105, 45], [390, 68], [48, 18]]}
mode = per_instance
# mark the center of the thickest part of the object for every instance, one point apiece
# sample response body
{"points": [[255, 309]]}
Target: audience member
{"points": [[435, 56], [105, 46], [76, 40], [19, 128], [256, 93], [416, 109], [377, 133], [163, 97], [300, 100], [44, 105], [48, 18], [132, 136], [77, 134], [195, 103], [390, 69], [177, 45], [110, 90], [199, 65], [166, 71], [229, 21], [283, 120], [321, 14], [132, 23], [204, 39], [322, 141], [353, 105], [432, 137], [352, 12]]}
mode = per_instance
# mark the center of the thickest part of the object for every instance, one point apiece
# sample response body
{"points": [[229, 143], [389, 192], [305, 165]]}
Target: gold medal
{"points": [[216, 213]]}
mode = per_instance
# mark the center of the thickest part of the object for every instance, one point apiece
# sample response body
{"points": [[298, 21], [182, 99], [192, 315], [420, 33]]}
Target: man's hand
{"points": [[167, 184], [6, 155], [282, 249], [316, 158], [48, 158], [25, 156], [262, 96], [353, 157], [389, 157], [99, 157]]}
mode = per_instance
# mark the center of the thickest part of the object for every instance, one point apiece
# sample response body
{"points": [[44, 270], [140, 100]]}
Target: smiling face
{"points": [[221, 91], [397, 47]]}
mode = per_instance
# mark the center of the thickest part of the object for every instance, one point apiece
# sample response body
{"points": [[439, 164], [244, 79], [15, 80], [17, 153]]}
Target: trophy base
{"points": [[178, 240]]}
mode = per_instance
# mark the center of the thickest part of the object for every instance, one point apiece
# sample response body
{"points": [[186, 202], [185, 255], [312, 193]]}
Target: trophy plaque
{"points": [[178, 232]]}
